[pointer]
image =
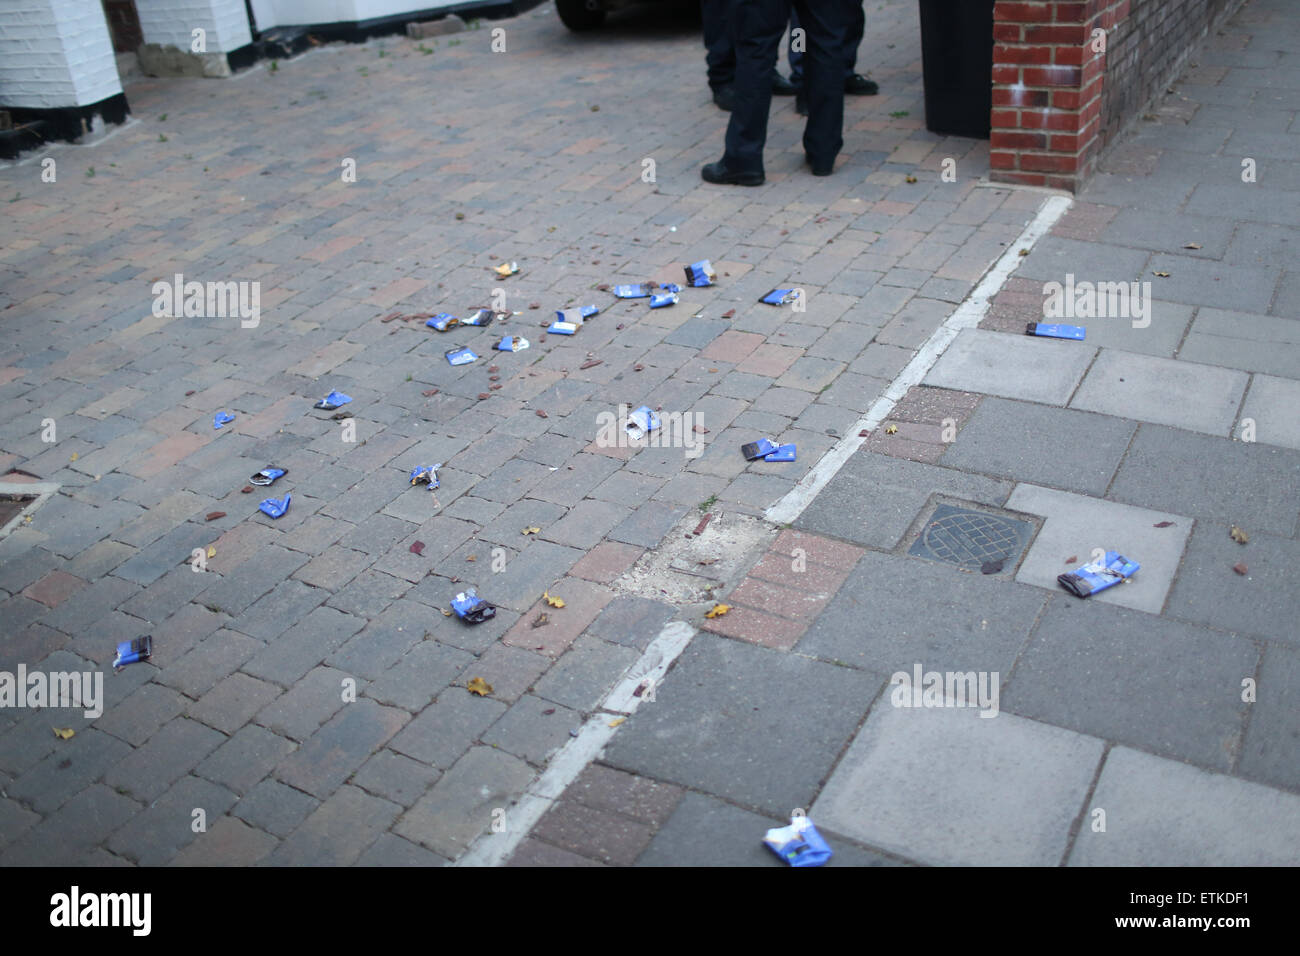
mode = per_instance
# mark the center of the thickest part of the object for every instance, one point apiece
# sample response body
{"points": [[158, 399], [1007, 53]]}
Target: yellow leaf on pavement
{"points": [[717, 610], [552, 601], [64, 733], [479, 686]]}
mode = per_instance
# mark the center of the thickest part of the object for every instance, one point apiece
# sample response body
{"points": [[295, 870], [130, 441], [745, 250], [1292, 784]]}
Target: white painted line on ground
{"points": [[966, 316], [494, 849], [42, 490]]}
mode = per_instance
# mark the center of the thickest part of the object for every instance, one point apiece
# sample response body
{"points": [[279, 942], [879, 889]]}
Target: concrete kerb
{"points": [[494, 849], [965, 316]]}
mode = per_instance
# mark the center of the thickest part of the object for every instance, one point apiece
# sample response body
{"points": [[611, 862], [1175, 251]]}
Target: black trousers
{"points": [[758, 27], [720, 47], [849, 51]]}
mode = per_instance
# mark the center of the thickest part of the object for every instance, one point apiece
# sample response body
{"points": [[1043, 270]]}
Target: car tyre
{"points": [[580, 15]]}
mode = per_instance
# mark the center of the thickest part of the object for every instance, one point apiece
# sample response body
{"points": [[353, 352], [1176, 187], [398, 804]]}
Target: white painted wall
{"points": [[172, 22], [285, 13], [55, 53]]}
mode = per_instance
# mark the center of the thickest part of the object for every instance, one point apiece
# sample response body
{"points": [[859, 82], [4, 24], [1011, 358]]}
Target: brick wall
{"points": [[1147, 50], [1060, 93], [55, 54]]}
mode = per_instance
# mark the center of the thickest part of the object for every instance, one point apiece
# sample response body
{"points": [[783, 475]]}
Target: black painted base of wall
{"points": [[32, 127]]}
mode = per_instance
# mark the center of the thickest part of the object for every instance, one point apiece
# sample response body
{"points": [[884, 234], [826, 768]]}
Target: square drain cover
{"points": [[970, 538]]}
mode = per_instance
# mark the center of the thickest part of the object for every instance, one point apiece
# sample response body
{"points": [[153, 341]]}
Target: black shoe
{"points": [[781, 86], [719, 174], [724, 98], [859, 85], [819, 169], [801, 103]]}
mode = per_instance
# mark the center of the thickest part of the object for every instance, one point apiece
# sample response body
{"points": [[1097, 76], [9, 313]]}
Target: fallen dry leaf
{"points": [[64, 733], [1162, 524], [616, 721], [891, 429], [1191, 245], [541, 620], [1024, 252], [1240, 567], [541, 414], [479, 686], [214, 515], [212, 552], [1071, 559], [533, 530], [417, 547], [1163, 275], [729, 313], [445, 612], [1238, 535], [483, 395], [471, 557], [246, 489], [552, 601], [428, 392], [590, 363], [717, 610], [911, 179], [74, 457]]}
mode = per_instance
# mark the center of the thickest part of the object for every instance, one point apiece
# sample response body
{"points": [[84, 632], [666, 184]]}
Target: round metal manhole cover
{"points": [[970, 538]]}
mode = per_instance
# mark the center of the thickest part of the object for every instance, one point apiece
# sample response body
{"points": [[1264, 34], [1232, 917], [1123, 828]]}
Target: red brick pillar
{"points": [[1047, 81]]}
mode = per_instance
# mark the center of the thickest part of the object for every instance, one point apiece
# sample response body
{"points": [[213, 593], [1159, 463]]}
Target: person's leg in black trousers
{"points": [[825, 23], [852, 39], [759, 26], [720, 55]]}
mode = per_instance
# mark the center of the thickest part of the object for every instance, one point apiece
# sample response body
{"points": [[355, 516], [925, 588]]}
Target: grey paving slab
{"points": [[1160, 812], [1203, 476], [1256, 343], [893, 612], [1053, 257], [1076, 525], [1212, 284], [1024, 367], [1168, 323], [1042, 444], [460, 806], [1170, 231], [1262, 602], [1164, 686], [1271, 751], [704, 831], [1271, 406], [874, 499], [721, 723], [1184, 394], [1006, 789]]}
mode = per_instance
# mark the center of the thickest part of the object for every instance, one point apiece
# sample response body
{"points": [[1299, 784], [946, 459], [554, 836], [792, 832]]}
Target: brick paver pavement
{"points": [[304, 676]]}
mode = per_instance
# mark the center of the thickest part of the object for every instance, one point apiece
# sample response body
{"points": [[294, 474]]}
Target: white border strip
{"points": [[966, 316], [494, 849], [42, 489]]}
